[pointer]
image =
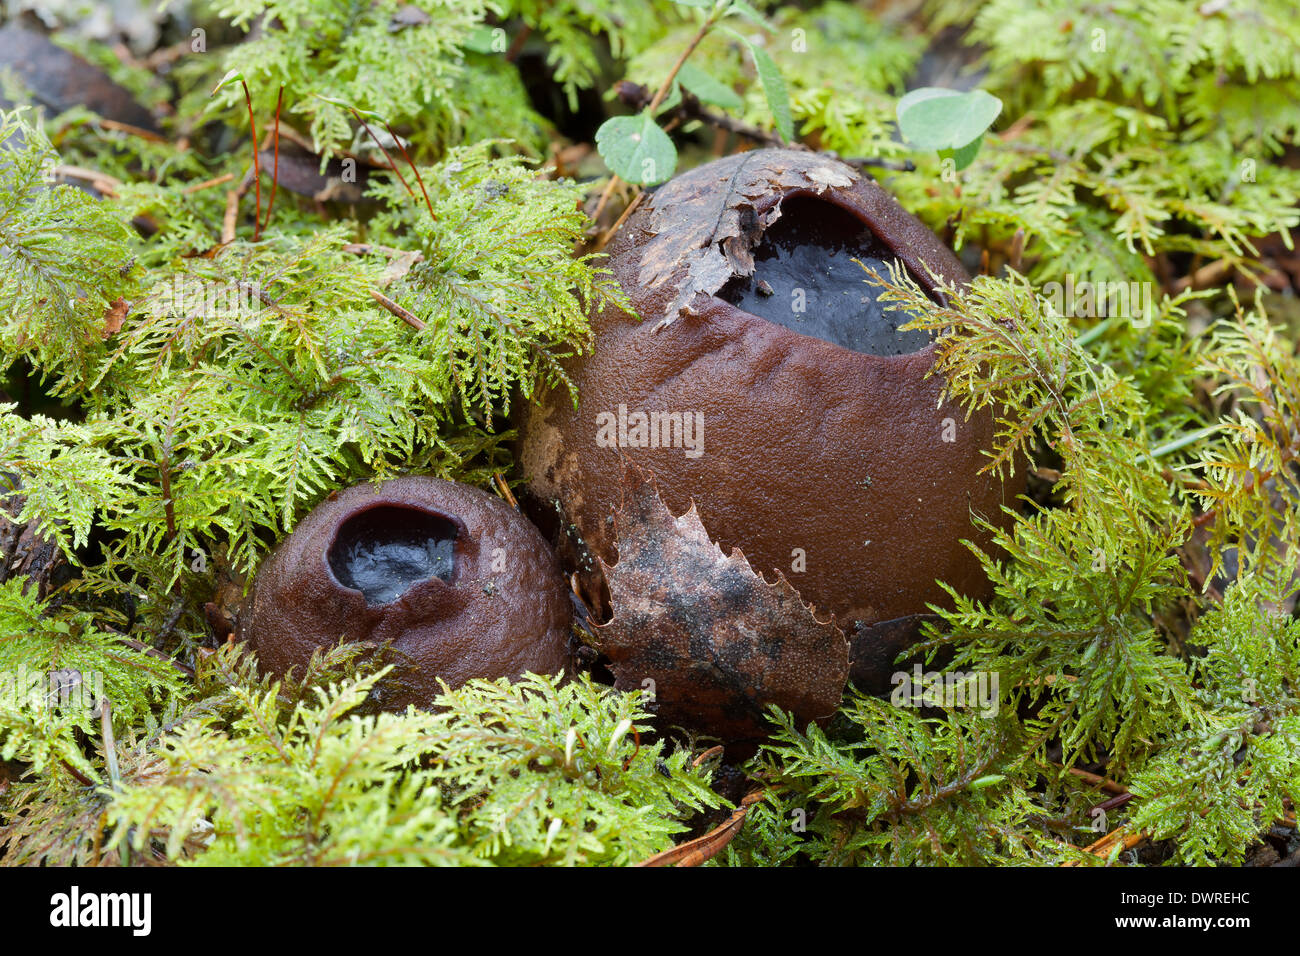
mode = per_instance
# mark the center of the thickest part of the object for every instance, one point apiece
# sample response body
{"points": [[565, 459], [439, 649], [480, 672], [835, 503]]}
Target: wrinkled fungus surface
{"points": [[381, 552], [805, 279]]}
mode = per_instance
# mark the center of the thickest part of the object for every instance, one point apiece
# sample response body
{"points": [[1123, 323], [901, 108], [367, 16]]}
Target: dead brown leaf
{"points": [[114, 315], [712, 231], [719, 643]]}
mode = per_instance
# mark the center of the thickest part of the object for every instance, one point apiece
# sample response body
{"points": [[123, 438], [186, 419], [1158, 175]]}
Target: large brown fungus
{"points": [[767, 384], [452, 581]]}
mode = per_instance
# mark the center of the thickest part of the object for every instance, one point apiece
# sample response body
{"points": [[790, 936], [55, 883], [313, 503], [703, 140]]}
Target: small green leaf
{"points": [[334, 101], [988, 781], [482, 39], [708, 89], [966, 155], [934, 118], [225, 80], [636, 149], [697, 4], [671, 101], [749, 13], [778, 98]]}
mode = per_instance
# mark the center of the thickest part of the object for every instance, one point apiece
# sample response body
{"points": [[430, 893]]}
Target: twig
{"points": [[897, 165], [667, 84], [152, 652], [389, 159], [605, 236], [711, 752], [131, 130], [504, 488], [166, 55], [1114, 802], [105, 183], [1187, 481], [1205, 276], [604, 196], [1110, 786], [207, 184], [410, 319], [636, 737], [517, 44], [1016, 256], [301, 140], [231, 218], [77, 775], [664, 87], [690, 108], [1120, 837]]}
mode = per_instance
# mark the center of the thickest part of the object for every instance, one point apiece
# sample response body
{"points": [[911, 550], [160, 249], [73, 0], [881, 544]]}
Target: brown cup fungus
{"points": [[451, 581], [766, 382]]}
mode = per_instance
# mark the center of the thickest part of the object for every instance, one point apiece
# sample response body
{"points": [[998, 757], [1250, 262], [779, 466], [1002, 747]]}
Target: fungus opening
{"points": [[805, 279], [382, 551]]}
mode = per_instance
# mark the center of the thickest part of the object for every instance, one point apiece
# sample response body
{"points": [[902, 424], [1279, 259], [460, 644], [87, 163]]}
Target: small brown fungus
{"points": [[764, 382], [451, 581]]}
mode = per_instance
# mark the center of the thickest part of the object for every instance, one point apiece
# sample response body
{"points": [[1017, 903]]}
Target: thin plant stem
{"points": [[275, 175], [257, 166], [715, 14], [418, 178], [391, 165], [110, 755]]}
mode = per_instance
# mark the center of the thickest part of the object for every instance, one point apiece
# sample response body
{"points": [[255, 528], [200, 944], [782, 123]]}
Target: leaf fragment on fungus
{"points": [[719, 642], [711, 231]]}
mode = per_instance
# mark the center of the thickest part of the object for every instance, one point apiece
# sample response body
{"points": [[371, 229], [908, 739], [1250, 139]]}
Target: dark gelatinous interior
{"points": [[806, 280], [383, 551]]}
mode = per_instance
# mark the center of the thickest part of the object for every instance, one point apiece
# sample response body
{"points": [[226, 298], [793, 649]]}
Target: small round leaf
{"points": [[934, 118], [636, 149]]}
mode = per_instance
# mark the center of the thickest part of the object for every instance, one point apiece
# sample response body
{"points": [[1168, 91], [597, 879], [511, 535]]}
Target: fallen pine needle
{"points": [[1120, 837], [407, 317], [207, 183], [704, 848]]}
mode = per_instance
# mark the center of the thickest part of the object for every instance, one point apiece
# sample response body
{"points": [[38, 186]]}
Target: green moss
{"points": [[214, 389]]}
